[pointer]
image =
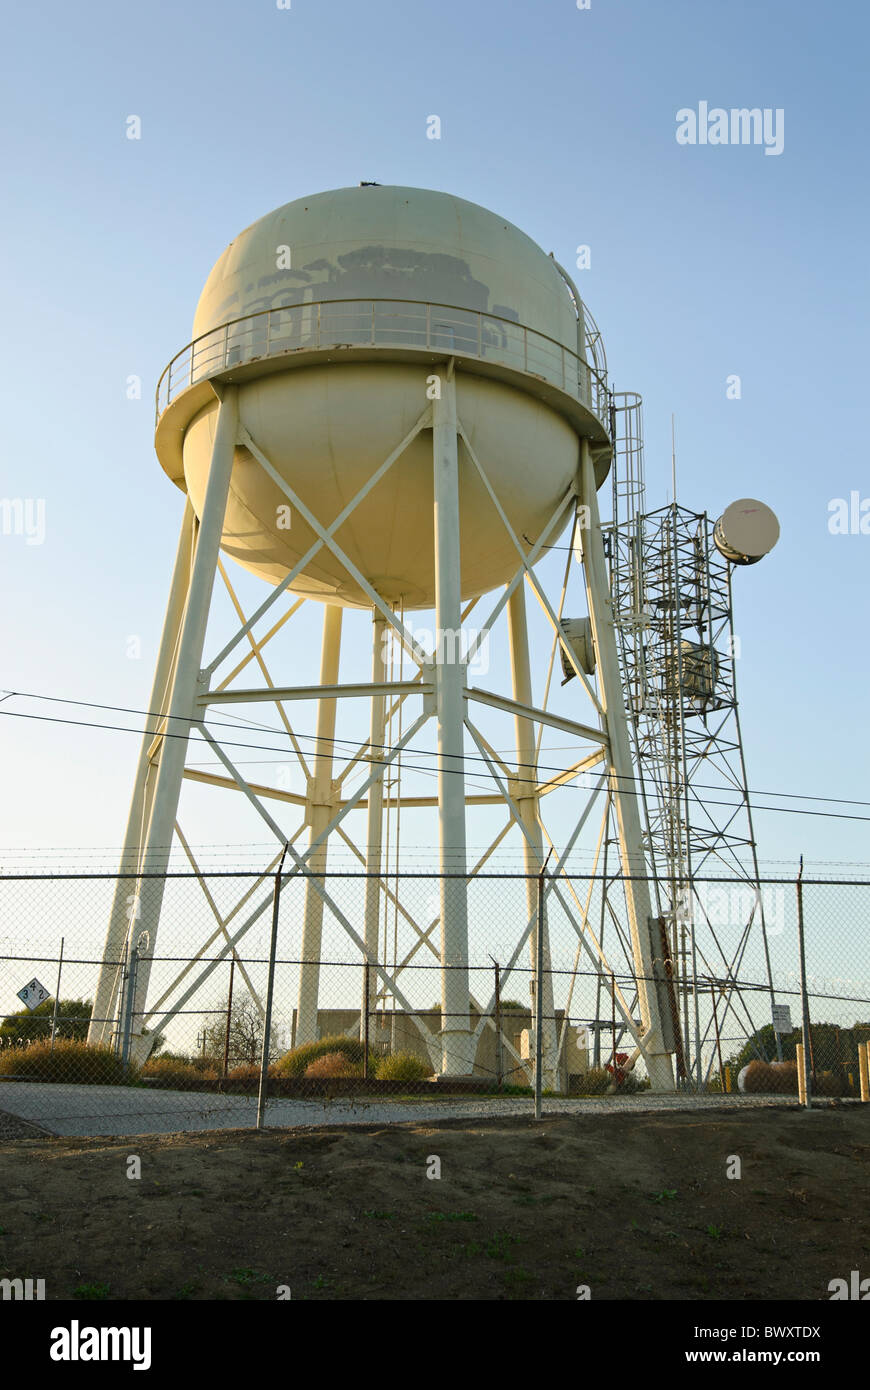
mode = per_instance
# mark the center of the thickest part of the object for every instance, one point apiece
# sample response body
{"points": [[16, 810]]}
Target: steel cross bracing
{"points": [[186, 688], [674, 619]]}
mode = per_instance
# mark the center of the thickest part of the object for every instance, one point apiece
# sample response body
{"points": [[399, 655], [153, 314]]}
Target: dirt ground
{"points": [[635, 1206]]}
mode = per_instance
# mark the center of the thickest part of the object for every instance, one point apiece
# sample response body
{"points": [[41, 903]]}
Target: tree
{"points": [[832, 1045], [246, 1035], [73, 1017], [29, 1025]]}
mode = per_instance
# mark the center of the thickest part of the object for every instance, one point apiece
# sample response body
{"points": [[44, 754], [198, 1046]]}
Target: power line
{"points": [[464, 757], [233, 846], [419, 752], [351, 743]]}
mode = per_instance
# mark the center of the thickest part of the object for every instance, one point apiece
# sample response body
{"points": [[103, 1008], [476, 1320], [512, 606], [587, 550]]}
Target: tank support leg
{"points": [[123, 905], [533, 844], [319, 809], [623, 778], [183, 710], [457, 1045], [374, 840]]}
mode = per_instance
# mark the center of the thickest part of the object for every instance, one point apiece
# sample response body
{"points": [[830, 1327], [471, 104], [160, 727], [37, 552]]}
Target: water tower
{"points": [[392, 401]]}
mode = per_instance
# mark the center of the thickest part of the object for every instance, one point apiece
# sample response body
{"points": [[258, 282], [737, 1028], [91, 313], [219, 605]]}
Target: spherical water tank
{"points": [[332, 314]]}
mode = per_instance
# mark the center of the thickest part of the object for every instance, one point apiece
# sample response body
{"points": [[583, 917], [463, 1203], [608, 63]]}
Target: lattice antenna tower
{"points": [[671, 571]]}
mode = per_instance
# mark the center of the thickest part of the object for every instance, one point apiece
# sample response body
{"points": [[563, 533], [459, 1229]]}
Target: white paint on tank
{"points": [[389, 243], [326, 422]]}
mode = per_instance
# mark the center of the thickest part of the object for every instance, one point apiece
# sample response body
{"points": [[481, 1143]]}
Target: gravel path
{"points": [[119, 1110]]}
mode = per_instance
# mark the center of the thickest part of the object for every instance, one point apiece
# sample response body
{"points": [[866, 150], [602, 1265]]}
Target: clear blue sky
{"points": [[706, 261]]}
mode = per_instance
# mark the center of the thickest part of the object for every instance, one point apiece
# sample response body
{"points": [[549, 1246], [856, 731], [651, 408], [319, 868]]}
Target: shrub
{"points": [[780, 1078], [828, 1083], [632, 1083], [297, 1061], [69, 1061], [196, 1061], [175, 1072], [247, 1071], [334, 1064], [594, 1082], [403, 1066]]}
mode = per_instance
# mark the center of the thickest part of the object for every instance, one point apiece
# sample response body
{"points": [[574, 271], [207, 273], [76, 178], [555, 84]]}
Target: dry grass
{"points": [[68, 1062]]}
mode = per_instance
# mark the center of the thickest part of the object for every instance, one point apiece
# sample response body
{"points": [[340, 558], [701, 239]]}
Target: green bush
{"points": [[29, 1025], [68, 1061], [403, 1066], [297, 1061]]}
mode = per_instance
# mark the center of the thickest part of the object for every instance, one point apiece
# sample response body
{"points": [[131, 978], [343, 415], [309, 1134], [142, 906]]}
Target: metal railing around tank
{"points": [[388, 323]]}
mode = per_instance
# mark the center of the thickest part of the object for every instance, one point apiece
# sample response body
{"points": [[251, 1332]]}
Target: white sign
{"points": [[33, 995], [781, 1018]]}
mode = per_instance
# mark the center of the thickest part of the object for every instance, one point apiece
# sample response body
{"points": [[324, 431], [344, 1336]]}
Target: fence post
{"points": [[366, 1018], [864, 1069], [56, 997], [129, 1000], [801, 1074], [267, 1021], [613, 1025], [539, 991], [718, 1039], [498, 1055], [806, 1052], [229, 1014], [118, 1011]]}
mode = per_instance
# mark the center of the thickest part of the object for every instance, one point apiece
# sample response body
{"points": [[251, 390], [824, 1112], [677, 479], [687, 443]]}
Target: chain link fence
{"points": [[180, 1043]]}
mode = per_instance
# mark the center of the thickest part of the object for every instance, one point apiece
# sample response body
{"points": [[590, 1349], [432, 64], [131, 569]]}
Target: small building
{"points": [[396, 1031]]}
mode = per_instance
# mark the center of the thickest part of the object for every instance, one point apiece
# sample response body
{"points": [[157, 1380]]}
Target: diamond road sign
{"points": [[33, 995]]}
